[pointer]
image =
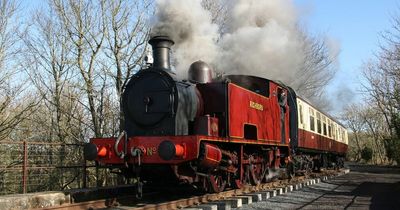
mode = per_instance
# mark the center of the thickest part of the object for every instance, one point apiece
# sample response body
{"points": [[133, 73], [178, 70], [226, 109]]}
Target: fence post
{"points": [[84, 173], [24, 168], [97, 174]]}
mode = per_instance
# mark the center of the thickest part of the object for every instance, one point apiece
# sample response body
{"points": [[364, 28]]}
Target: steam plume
{"points": [[189, 25], [261, 37]]}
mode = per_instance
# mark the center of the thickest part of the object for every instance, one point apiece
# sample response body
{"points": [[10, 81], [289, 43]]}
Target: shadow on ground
{"points": [[383, 195]]}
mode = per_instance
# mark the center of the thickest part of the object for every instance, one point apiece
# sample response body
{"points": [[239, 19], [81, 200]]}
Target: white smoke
{"points": [[273, 173], [190, 27], [261, 37]]}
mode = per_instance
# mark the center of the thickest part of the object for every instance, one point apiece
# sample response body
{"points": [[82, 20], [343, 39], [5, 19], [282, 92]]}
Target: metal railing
{"points": [[40, 166]]}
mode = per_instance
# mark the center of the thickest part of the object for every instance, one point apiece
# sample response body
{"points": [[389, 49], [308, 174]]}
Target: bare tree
{"points": [[375, 128], [219, 12], [318, 69], [84, 22], [356, 123], [127, 34], [382, 88], [13, 109], [389, 67], [379, 88], [47, 54]]}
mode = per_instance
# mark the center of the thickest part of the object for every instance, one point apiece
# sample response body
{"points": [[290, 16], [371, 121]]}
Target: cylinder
{"points": [[210, 155]]}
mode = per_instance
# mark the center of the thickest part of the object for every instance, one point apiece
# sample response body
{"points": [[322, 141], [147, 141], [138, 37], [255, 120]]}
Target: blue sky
{"points": [[356, 26]]}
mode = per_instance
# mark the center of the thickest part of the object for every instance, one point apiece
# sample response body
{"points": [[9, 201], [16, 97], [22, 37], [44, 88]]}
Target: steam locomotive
{"points": [[215, 133]]}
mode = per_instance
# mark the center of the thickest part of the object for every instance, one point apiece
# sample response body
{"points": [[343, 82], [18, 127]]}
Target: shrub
{"points": [[366, 154], [392, 147]]}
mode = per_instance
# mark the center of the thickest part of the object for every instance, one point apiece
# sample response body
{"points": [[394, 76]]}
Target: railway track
{"points": [[158, 200]]}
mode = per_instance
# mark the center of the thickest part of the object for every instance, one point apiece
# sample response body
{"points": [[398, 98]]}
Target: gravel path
{"points": [[365, 187]]}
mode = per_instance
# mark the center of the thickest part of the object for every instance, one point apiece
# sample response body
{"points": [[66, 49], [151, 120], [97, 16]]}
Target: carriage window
{"points": [[319, 128], [324, 125], [333, 130], [312, 126], [329, 128], [301, 113], [343, 135]]}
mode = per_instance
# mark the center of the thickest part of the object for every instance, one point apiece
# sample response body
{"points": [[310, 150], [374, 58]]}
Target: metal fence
{"points": [[39, 166]]}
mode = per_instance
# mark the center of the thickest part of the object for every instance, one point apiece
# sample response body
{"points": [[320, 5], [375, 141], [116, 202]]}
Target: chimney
{"points": [[161, 46]]}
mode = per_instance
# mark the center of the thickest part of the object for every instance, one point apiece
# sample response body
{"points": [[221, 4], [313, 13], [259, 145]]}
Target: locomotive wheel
{"points": [[258, 172], [253, 174], [309, 168], [290, 170], [237, 183], [216, 182], [247, 175]]}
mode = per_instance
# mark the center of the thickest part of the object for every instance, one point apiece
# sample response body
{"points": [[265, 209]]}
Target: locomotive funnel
{"points": [[161, 46]]}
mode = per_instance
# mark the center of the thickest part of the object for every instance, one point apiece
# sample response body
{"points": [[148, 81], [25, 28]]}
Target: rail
{"points": [[158, 200]]}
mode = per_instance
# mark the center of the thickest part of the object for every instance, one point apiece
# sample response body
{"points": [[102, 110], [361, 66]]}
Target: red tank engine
{"points": [[209, 133]]}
